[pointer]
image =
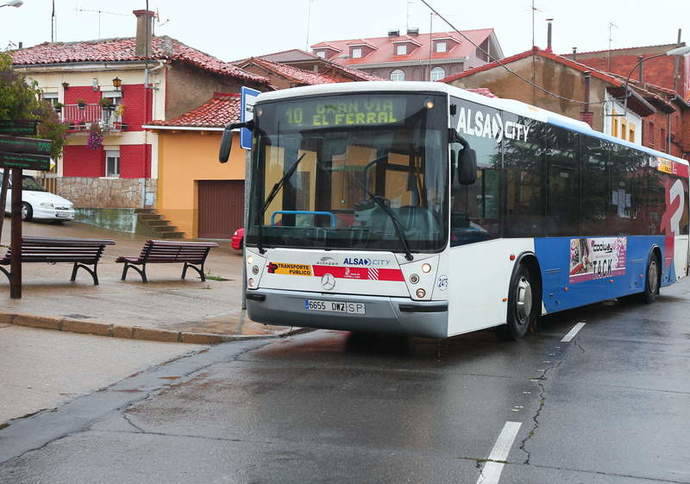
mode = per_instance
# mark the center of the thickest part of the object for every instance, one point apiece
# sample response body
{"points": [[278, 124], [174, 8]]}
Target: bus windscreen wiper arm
{"points": [[274, 191], [396, 223]]}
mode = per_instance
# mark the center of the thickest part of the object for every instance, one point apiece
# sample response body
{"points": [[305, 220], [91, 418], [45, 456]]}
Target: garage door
{"points": [[221, 208]]}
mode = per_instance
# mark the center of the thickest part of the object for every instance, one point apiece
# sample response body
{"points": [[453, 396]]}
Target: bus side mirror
{"points": [[467, 173], [226, 140], [463, 159]]}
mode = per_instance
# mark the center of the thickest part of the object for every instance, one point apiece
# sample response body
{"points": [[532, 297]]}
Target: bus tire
{"points": [[652, 278], [523, 302]]}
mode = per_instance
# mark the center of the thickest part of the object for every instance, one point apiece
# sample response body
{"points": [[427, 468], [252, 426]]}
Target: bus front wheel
{"points": [[523, 302]]}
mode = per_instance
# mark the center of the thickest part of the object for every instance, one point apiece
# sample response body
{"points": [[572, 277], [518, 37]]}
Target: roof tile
{"points": [[123, 50], [222, 109]]}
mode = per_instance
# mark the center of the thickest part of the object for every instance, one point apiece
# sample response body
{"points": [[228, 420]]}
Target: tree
{"points": [[21, 100]]}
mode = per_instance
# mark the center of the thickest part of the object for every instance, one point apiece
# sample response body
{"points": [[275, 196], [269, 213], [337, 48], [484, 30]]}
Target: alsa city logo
{"points": [[359, 261], [486, 125]]}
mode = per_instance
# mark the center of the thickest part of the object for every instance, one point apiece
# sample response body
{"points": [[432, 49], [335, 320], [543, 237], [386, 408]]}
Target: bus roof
{"points": [[509, 105]]}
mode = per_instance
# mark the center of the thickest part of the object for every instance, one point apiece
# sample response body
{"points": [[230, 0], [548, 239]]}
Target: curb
{"points": [[134, 332]]}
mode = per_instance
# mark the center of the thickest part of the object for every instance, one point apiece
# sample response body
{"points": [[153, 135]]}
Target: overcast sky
{"points": [[233, 29]]}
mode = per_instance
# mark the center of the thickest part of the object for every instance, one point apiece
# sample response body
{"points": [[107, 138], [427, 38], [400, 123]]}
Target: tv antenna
{"points": [[611, 27], [100, 13]]}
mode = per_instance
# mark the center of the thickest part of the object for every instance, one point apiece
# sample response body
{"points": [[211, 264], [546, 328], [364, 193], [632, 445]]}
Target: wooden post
{"points": [[16, 244]]}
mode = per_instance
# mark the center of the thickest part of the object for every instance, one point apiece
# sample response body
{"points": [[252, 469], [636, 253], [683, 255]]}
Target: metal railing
{"points": [[81, 118]]}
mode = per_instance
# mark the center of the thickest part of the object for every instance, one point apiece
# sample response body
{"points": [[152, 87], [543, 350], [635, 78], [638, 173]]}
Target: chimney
{"points": [[393, 33], [548, 34], [586, 115], [413, 32], [20, 45], [144, 32], [575, 54]]}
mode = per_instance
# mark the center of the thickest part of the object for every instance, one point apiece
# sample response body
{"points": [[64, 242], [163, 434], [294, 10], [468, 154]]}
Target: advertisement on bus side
{"points": [[596, 258]]}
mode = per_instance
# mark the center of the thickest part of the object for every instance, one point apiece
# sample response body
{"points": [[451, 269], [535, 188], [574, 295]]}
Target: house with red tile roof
{"points": [[116, 86], [541, 78], [306, 62], [414, 56], [667, 76], [603, 99], [197, 195]]}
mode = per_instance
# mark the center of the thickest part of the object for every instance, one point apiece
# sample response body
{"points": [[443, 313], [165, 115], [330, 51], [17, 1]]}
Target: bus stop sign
{"points": [[247, 100]]}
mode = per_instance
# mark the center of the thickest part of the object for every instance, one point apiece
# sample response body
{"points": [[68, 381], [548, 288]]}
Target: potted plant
{"points": [[107, 104], [58, 107], [95, 140], [81, 103]]}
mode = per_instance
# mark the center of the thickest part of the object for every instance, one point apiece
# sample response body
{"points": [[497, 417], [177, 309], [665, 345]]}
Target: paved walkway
{"points": [[165, 309]]}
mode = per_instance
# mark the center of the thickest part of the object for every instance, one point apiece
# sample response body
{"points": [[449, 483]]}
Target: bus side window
{"points": [[563, 182], [523, 161]]}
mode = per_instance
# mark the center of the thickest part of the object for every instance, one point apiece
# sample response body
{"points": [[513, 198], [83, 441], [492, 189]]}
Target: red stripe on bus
{"points": [[361, 273]]}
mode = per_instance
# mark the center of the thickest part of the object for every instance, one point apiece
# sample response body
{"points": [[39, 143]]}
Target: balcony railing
{"points": [[81, 118]]}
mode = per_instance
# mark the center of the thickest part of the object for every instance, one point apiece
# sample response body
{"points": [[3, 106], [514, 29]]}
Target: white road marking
{"points": [[572, 333], [491, 472]]}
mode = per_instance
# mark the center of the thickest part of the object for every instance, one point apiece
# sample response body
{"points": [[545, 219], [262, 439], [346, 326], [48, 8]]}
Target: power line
{"points": [[498, 61]]}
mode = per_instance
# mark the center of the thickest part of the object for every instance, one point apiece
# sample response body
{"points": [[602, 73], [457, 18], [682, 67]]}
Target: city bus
{"points": [[425, 209]]}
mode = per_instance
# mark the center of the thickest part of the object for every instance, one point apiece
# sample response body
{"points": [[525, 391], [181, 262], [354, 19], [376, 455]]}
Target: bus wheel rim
{"points": [[653, 277], [523, 301]]}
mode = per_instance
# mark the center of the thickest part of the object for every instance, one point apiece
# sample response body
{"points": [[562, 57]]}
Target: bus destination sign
{"points": [[348, 111]]}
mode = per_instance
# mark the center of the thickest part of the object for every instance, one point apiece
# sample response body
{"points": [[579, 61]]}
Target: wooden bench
{"points": [[191, 254], [81, 252]]}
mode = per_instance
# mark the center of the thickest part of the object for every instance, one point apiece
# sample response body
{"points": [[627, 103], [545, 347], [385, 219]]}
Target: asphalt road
{"points": [[612, 405]]}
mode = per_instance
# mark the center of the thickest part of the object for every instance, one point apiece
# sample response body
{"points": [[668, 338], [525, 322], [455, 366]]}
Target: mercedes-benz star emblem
{"points": [[328, 281]]}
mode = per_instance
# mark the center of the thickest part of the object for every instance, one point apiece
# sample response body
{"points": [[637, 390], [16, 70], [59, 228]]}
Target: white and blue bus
{"points": [[425, 209]]}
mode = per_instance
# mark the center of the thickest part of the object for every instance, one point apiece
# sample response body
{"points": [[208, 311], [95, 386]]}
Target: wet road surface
{"points": [[612, 405]]}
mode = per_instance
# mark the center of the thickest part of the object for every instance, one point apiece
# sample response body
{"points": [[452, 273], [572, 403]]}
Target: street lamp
{"points": [[13, 3], [678, 51]]}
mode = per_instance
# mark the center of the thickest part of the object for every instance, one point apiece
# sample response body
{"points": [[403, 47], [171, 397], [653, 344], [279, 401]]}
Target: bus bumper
{"points": [[383, 314]]}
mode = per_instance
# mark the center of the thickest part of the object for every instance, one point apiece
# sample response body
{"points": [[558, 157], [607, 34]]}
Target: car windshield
{"points": [[365, 171], [30, 183]]}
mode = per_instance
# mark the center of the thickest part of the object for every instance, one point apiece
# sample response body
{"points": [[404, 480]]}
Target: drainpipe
{"points": [[640, 61]]}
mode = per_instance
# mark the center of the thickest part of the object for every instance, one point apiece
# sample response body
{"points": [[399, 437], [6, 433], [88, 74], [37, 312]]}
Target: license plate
{"points": [[334, 306], [62, 215]]}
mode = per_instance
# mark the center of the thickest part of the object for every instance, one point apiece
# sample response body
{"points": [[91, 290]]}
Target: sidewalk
{"points": [[165, 309]]}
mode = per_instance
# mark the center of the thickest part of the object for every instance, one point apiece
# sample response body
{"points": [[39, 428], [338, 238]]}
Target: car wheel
{"points": [[27, 212], [523, 303], [651, 285]]}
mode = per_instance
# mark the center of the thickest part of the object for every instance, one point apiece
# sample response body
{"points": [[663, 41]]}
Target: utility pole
{"points": [[611, 27]]}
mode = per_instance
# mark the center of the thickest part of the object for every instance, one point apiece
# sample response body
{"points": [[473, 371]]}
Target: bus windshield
{"points": [[358, 171]]}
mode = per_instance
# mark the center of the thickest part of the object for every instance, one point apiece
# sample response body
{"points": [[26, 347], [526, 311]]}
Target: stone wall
{"points": [[87, 192]]}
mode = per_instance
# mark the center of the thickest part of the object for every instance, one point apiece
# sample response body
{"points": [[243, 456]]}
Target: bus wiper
{"points": [[274, 191], [396, 223], [381, 202]]}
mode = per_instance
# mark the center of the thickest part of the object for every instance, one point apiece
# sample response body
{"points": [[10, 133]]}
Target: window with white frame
{"points": [[356, 52], [401, 49], [321, 53], [438, 73], [398, 75], [112, 163], [51, 97], [441, 46]]}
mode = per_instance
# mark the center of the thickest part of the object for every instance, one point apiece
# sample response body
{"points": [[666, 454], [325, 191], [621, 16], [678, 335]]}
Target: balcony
{"points": [[80, 119]]}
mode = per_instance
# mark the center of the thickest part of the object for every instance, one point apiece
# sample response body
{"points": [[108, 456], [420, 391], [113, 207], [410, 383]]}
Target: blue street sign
{"points": [[248, 98]]}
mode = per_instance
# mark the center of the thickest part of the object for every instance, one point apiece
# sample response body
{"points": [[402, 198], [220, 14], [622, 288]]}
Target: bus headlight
{"points": [[421, 293], [250, 259], [255, 270], [426, 268], [251, 282], [414, 279]]}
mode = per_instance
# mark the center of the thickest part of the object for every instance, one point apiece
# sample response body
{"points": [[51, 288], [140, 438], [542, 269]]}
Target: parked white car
{"points": [[37, 203]]}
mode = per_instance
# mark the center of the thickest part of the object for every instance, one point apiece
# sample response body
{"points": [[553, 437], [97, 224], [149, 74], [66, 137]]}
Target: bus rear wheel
{"points": [[651, 285], [523, 302]]}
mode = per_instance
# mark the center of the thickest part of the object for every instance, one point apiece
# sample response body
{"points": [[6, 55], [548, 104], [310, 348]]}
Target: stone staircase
{"points": [[155, 225]]}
